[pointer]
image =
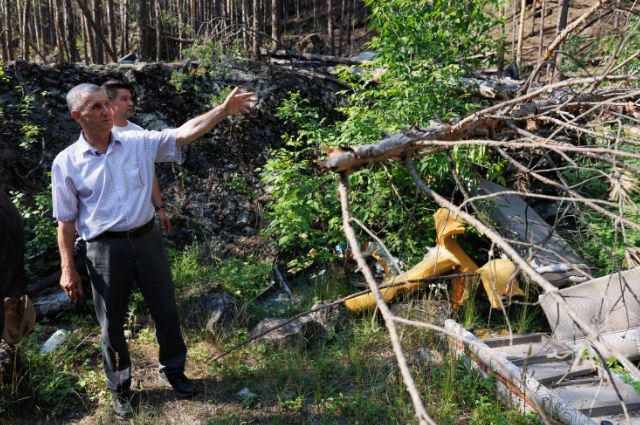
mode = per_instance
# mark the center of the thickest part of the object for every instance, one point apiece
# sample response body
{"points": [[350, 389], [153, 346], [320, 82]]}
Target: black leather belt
{"points": [[127, 234]]}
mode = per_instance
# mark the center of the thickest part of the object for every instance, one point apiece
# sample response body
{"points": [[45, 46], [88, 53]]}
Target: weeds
{"points": [[351, 377]]}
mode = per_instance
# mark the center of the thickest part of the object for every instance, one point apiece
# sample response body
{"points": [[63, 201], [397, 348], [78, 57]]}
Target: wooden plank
{"points": [[515, 340], [530, 349], [599, 399], [633, 419], [545, 374], [521, 389], [542, 357], [552, 373]]}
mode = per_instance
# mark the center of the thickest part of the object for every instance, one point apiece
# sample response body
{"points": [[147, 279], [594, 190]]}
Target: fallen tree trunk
{"points": [[499, 123], [326, 59]]}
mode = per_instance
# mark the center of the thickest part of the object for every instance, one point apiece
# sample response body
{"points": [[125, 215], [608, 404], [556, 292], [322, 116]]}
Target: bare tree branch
{"points": [[388, 317]]}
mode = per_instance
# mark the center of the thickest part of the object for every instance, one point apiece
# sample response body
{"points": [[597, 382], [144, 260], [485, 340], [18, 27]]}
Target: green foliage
{"points": [[193, 271], [39, 232], [29, 131], [187, 268], [304, 215], [54, 383], [244, 279], [599, 240], [422, 49], [465, 390], [211, 55], [621, 371]]}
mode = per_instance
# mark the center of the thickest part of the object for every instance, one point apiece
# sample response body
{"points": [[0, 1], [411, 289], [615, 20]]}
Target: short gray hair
{"points": [[77, 95]]}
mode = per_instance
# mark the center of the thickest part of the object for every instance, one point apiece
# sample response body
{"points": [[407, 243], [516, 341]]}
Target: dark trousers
{"points": [[113, 266]]}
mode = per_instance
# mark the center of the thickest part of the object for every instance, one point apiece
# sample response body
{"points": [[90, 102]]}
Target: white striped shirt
{"points": [[129, 127], [110, 192]]}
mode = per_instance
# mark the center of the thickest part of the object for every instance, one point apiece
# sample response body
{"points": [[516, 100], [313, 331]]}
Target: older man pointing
{"points": [[101, 188]]}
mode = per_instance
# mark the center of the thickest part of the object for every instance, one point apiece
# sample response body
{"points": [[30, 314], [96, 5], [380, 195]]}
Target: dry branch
{"points": [[388, 316], [551, 49]]}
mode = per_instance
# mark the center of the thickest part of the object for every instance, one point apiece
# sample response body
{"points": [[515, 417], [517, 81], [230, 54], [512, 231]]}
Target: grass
{"points": [[349, 377]]}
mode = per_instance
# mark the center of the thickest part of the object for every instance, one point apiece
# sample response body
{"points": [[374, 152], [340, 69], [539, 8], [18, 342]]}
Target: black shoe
{"points": [[182, 386], [122, 405]]}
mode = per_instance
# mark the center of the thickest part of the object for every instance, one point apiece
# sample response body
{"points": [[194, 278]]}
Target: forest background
{"points": [[99, 31]]}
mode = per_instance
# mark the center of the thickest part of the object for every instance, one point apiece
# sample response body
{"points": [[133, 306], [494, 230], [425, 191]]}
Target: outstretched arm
{"points": [[196, 127]]}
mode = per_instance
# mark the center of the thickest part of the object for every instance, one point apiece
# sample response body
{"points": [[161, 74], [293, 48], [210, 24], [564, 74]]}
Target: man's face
{"points": [[122, 105], [95, 115]]}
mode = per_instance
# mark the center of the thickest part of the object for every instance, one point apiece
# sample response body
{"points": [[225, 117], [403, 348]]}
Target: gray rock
{"points": [[216, 311], [280, 333]]}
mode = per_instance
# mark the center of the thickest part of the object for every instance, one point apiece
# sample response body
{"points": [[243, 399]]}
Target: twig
{"points": [[331, 304], [282, 281], [421, 412]]}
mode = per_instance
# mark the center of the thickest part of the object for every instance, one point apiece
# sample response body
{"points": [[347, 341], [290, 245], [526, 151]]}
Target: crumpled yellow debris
{"points": [[446, 226], [498, 280], [437, 261], [496, 276]]}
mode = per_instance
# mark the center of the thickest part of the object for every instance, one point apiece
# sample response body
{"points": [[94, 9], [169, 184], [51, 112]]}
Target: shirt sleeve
{"points": [[63, 191], [168, 149]]}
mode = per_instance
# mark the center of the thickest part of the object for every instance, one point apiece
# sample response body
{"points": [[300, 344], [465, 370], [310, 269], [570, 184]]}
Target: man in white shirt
{"points": [[101, 188], [121, 100]]}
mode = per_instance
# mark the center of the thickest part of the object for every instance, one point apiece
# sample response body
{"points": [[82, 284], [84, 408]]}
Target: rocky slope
{"points": [[215, 196]]}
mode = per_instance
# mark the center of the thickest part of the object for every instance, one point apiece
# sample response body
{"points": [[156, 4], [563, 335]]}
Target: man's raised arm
{"points": [[196, 127]]}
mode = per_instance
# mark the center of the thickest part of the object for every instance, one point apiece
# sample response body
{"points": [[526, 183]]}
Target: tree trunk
{"points": [[330, 31], [69, 32], [59, 31], [7, 34], [36, 20], [523, 6], [255, 28], [24, 30], [124, 28], [141, 20], [192, 15], [5, 54], [112, 25], [246, 24], [91, 25], [158, 19], [562, 24], [53, 9], [89, 53], [543, 7], [315, 17], [97, 19], [275, 24], [183, 30]]}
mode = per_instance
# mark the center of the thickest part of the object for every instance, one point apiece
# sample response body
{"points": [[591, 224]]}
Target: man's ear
{"points": [[75, 114]]}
